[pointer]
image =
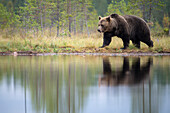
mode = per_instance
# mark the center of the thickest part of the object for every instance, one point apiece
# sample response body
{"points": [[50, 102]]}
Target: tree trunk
{"points": [[37, 18], [44, 8], [150, 10], [25, 17], [144, 10], [82, 19], [41, 17], [169, 29], [75, 25], [52, 19], [85, 12], [34, 32], [58, 17], [69, 15], [37, 32], [50, 30]]}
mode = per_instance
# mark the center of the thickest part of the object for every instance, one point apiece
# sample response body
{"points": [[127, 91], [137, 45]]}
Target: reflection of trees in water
{"points": [[60, 84], [133, 74], [162, 70], [145, 97], [125, 75], [61, 89], [55, 84]]}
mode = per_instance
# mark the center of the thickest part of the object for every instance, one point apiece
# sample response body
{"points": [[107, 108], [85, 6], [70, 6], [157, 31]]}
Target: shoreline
{"points": [[30, 53]]}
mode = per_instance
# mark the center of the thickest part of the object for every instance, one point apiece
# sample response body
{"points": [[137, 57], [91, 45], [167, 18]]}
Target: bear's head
{"points": [[107, 24]]}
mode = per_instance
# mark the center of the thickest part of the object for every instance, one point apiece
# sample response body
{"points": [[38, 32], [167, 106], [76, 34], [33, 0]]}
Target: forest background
{"points": [[69, 18]]}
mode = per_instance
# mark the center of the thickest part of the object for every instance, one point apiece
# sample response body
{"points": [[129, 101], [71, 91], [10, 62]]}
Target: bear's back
{"points": [[136, 24]]}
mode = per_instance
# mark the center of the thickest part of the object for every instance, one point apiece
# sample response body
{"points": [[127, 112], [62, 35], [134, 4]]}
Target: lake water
{"points": [[84, 84]]}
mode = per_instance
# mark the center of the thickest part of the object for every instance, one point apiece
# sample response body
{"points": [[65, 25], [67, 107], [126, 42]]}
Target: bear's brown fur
{"points": [[127, 27]]}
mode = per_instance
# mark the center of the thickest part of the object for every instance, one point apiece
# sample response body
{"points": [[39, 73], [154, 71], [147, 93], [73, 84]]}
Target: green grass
{"points": [[78, 43]]}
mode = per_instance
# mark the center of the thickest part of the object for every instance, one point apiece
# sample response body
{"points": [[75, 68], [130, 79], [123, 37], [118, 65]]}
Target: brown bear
{"points": [[127, 27]]}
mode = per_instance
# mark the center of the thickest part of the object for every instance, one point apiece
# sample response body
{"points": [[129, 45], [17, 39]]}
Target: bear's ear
{"points": [[114, 15], [108, 18], [100, 17]]}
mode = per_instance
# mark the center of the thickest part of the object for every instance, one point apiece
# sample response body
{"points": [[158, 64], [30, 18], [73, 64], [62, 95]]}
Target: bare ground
{"points": [[31, 53]]}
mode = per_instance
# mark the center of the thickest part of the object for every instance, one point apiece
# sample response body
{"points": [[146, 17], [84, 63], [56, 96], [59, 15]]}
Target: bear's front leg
{"points": [[106, 39], [125, 43]]}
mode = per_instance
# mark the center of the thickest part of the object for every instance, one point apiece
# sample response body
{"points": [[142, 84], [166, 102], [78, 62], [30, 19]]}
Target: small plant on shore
{"points": [[132, 47]]}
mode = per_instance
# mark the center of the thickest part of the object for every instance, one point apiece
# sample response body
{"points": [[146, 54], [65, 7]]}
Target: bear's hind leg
{"points": [[146, 39], [149, 43]]}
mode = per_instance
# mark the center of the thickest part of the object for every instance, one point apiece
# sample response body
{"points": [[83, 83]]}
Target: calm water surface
{"points": [[84, 84]]}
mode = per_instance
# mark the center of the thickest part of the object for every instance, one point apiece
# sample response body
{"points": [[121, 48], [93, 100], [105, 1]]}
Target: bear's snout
{"points": [[98, 30]]}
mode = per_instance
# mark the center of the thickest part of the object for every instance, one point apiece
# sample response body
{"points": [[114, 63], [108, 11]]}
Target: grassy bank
{"points": [[78, 43]]}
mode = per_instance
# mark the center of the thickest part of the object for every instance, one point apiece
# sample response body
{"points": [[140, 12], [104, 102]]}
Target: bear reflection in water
{"points": [[127, 75]]}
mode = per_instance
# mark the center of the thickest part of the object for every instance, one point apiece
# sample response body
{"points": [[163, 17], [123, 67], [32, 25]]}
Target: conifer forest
{"points": [[71, 17]]}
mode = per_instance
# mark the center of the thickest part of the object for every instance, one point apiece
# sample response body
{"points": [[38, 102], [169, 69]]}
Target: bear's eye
{"points": [[102, 25]]}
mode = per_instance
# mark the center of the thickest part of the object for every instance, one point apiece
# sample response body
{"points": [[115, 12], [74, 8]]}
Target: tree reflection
{"points": [[53, 84], [132, 72], [67, 84], [127, 75]]}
